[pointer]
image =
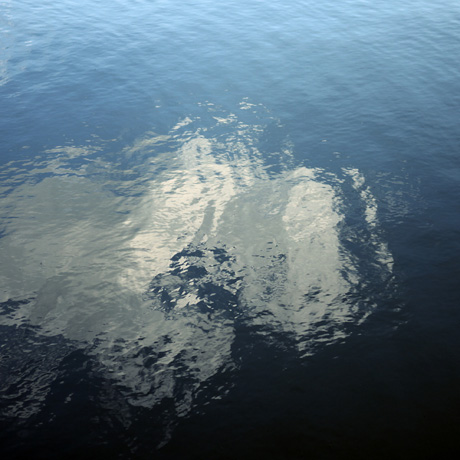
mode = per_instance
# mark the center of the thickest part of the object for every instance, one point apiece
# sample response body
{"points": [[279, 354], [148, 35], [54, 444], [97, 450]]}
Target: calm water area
{"points": [[229, 229]]}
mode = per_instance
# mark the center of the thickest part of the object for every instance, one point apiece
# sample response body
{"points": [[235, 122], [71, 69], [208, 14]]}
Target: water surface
{"points": [[229, 229]]}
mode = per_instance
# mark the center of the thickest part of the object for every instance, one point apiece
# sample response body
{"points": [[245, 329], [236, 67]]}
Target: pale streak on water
{"points": [[161, 266]]}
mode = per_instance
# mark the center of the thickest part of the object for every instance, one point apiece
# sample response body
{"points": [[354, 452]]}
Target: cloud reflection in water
{"points": [[153, 282]]}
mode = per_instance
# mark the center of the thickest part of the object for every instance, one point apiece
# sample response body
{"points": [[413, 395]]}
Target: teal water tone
{"points": [[229, 229]]}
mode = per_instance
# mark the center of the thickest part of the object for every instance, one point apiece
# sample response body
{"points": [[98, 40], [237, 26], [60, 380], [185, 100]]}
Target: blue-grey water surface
{"points": [[229, 229]]}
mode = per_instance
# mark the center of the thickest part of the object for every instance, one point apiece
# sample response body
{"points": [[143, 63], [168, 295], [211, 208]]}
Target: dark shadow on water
{"points": [[370, 396]]}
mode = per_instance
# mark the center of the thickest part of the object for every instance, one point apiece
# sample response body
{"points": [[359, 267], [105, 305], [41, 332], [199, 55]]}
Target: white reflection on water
{"points": [[154, 283]]}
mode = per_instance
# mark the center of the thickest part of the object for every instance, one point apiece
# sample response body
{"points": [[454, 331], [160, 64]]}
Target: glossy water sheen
{"points": [[229, 229]]}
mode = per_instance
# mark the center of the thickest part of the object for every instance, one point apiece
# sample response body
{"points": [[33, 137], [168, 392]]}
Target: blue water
{"points": [[229, 229]]}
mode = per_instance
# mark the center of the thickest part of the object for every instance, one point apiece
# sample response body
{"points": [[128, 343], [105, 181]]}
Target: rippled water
{"points": [[229, 230]]}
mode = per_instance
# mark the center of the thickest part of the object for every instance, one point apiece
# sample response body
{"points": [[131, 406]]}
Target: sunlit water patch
{"points": [[149, 262]]}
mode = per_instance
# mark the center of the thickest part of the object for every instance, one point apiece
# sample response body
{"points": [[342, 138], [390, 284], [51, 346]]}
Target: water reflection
{"points": [[149, 266], [5, 54]]}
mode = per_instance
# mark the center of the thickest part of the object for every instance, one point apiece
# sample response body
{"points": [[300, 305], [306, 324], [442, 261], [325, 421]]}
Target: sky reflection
{"points": [[154, 282]]}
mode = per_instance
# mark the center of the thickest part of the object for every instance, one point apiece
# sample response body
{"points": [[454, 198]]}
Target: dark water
{"points": [[229, 229]]}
